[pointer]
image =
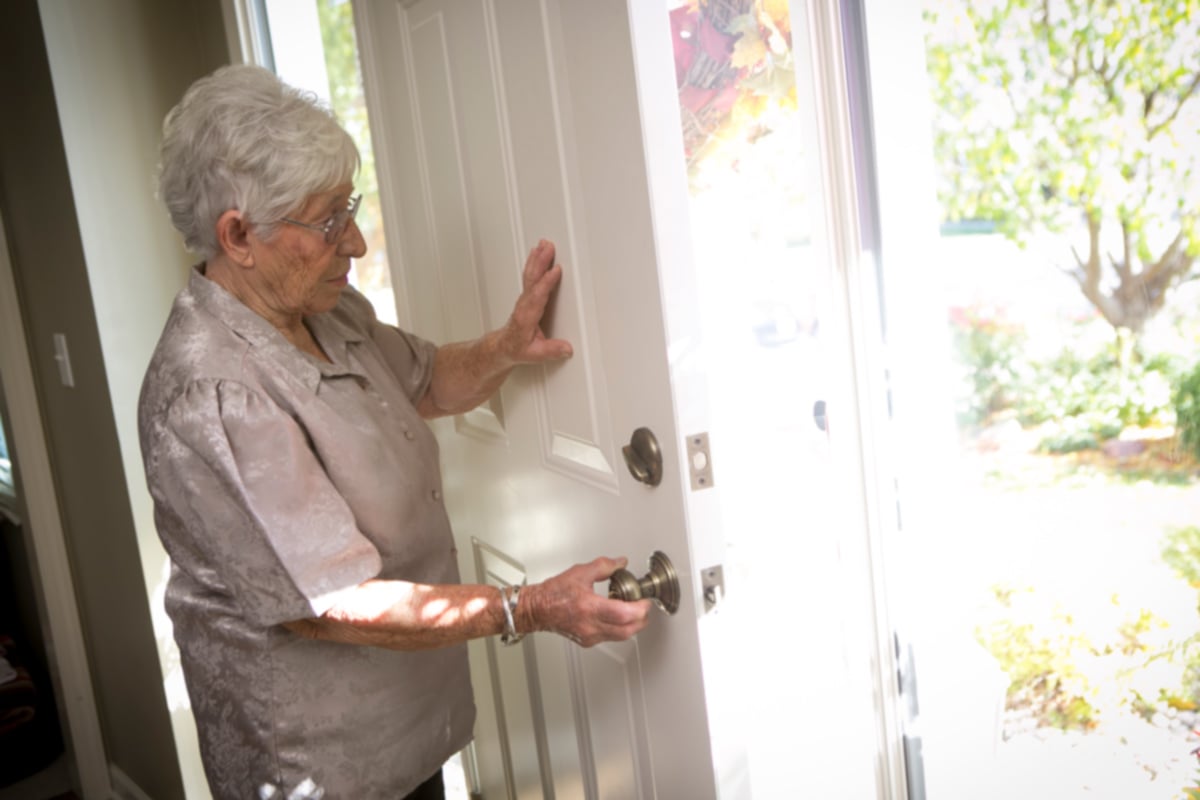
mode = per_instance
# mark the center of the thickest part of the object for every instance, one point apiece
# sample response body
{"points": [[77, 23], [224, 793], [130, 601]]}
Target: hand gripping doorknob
{"points": [[660, 584]]}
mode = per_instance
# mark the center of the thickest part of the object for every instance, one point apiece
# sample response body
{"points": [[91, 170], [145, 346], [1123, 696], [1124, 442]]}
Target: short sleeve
{"points": [[407, 356], [256, 505]]}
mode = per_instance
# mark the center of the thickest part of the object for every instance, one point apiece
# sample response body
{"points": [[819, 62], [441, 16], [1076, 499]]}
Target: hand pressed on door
{"points": [[467, 373]]}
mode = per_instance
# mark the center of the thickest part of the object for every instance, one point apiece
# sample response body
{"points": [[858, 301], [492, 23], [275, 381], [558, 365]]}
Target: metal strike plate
{"points": [[712, 580], [699, 461]]}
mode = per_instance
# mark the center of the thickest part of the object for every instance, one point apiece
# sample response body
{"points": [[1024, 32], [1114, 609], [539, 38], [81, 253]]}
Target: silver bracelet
{"points": [[509, 596]]}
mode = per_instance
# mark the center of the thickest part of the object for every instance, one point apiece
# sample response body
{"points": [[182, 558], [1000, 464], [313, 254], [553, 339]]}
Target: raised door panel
{"points": [[495, 175]]}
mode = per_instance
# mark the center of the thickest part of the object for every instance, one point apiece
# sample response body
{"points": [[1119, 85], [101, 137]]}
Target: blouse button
{"points": [[409, 435], [437, 494]]}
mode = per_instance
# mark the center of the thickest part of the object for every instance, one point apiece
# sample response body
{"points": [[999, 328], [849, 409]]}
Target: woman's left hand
{"points": [[467, 373], [522, 339]]}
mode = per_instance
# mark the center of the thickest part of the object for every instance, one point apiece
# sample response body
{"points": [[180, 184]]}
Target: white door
{"points": [[498, 123]]}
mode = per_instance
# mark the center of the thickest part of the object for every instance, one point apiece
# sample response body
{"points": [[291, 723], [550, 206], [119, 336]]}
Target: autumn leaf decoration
{"points": [[733, 66]]}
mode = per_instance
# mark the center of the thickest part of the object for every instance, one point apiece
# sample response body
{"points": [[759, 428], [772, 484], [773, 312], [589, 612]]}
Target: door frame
{"points": [[858, 387], [873, 728], [834, 82], [51, 562]]}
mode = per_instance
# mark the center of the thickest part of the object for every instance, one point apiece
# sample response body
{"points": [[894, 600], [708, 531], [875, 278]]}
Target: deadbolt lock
{"points": [[660, 584], [644, 457]]}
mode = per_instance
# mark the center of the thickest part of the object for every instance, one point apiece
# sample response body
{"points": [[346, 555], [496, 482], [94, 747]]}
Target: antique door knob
{"points": [[660, 584]]}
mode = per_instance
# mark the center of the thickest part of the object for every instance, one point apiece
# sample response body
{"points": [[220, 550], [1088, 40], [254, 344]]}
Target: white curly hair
{"points": [[243, 139]]}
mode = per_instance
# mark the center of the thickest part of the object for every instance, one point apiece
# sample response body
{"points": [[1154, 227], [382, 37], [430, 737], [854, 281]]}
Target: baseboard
{"points": [[123, 786]]}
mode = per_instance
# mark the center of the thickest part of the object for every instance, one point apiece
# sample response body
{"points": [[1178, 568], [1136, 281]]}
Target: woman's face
{"points": [[297, 271]]}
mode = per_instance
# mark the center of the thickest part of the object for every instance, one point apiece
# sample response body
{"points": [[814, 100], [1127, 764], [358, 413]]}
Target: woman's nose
{"points": [[352, 243]]}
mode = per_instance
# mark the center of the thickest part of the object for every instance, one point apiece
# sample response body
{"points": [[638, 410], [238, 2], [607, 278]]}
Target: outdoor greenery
{"points": [[1080, 393], [1187, 410], [1072, 127], [1066, 674], [989, 351], [349, 103], [1076, 121]]}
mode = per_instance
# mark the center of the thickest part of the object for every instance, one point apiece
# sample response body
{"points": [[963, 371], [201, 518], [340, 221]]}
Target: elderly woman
{"points": [[314, 588]]}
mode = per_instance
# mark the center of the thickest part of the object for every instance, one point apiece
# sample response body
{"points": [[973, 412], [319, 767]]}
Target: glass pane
{"points": [[314, 47], [762, 290]]}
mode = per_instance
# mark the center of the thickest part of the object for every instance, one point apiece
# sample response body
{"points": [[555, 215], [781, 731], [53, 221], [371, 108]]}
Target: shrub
{"points": [[1187, 411], [1083, 388], [1040, 653], [990, 351], [1181, 552], [1098, 392]]}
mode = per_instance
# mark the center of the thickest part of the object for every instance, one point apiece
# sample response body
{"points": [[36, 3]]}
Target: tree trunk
{"points": [[1139, 294]]}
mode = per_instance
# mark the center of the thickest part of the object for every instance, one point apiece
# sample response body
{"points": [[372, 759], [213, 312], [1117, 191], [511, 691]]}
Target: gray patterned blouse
{"points": [[278, 479]]}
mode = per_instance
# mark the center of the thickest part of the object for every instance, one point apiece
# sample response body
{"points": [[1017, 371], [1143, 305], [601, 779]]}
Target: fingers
{"points": [[547, 350], [569, 605], [617, 621], [538, 263], [601, 569], [523, 340], [610, 620], [536, 293]]}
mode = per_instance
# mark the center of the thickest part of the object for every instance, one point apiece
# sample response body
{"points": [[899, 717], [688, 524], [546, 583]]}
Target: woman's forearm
{"points": [[408, 616], [464, 375]]}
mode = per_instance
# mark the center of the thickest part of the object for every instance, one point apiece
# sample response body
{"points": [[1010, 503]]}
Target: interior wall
{"points": [[85, 87]]}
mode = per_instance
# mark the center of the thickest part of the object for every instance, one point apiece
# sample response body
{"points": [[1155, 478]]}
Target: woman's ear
{"points": [[233, 234]]}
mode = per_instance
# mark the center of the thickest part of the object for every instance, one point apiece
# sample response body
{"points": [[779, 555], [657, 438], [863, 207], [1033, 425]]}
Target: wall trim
{"points": [[123, 787], [51, 564], [245, 30]]}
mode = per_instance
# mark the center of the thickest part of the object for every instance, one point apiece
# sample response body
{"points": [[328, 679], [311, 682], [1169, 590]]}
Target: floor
{"points": [[52, 783]]}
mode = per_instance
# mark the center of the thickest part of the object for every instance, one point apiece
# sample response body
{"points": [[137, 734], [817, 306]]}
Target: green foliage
{"points": [[1181, 552], [1040, 653], [1075, 117], [1082, 389], [1050, 109], [349, 103], [989, 353], [1187, 411], [1066, 670], [1091, 397]]}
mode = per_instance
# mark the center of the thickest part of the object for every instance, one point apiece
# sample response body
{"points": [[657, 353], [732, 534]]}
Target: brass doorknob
{"points": [[660, 584]]}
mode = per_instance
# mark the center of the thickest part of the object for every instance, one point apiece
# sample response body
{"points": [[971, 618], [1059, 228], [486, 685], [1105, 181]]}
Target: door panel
{"points": [[498, 123]]}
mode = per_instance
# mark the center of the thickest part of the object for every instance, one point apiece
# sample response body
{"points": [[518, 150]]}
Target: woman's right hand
{"points": [[568, 605]]}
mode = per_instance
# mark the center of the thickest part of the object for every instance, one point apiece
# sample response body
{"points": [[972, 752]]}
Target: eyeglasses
{"points": [[336, 225]]}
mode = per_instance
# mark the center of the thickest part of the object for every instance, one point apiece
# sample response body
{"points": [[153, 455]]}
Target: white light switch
{"points": [[63, 357]]}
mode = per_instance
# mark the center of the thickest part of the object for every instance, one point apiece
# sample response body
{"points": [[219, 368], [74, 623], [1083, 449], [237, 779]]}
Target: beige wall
{"points": [[84, 88]]}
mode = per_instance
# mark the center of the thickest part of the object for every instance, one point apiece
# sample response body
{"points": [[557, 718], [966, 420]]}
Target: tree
{"points": [[1076, 118]]}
